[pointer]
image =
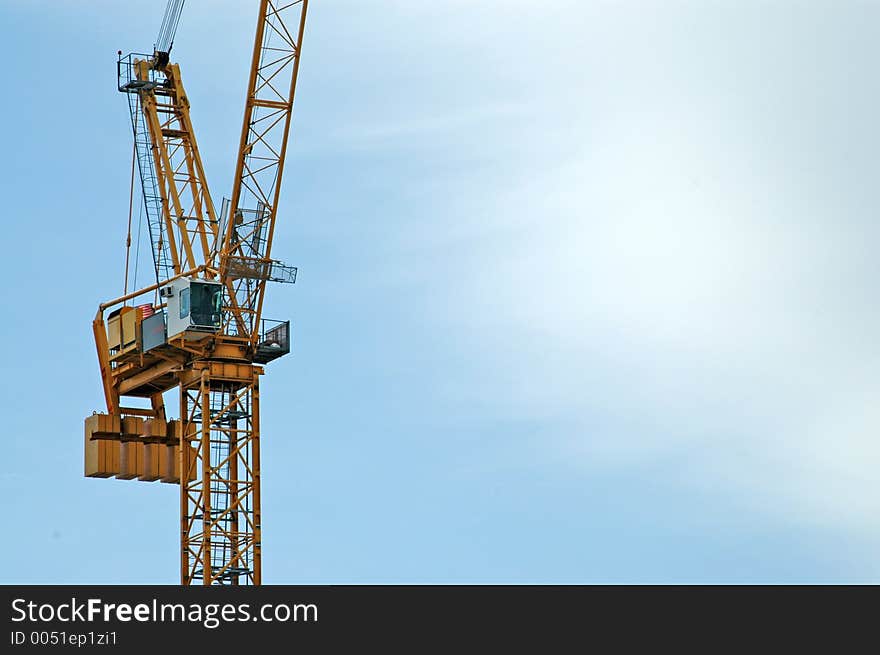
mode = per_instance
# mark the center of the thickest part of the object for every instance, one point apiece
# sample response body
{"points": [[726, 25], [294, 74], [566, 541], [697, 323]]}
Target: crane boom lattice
{"points": [[249, 219]]}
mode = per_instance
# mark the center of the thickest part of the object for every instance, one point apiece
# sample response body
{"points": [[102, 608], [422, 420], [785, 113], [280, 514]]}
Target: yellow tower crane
{"points": [[199, 329]]}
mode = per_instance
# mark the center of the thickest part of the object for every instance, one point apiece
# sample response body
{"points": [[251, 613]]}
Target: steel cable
{"points": [[170, 21]]}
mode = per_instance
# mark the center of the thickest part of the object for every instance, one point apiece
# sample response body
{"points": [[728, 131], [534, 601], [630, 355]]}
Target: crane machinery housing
{"points": [[199, 330]]}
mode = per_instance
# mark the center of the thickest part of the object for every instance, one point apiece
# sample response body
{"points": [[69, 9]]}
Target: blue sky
{"points": [[586, 293]]}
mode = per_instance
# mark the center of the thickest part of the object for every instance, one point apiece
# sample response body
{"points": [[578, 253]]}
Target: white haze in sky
{"points": [[682, 268]]}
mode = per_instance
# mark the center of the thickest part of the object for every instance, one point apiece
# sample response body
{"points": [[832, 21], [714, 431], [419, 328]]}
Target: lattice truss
{"points": [[220, 522], [245, 262], [187, 209], [216, 372]]}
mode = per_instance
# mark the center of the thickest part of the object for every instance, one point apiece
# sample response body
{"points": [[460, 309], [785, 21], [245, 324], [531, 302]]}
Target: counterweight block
{"points": [[131, 448]]}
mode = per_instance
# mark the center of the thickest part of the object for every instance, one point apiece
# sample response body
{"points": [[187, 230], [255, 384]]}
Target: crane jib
{"points": [[262, 147]]}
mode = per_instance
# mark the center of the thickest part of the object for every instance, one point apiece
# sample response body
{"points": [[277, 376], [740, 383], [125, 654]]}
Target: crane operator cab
{"points": [[194, 307]]}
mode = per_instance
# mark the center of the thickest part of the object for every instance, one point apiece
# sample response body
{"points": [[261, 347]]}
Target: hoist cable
{"points": [[170, 21], [130, 211]]}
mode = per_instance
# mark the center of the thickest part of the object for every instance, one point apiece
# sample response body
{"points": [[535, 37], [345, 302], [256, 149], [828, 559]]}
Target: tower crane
{"points": [[198, 332]]}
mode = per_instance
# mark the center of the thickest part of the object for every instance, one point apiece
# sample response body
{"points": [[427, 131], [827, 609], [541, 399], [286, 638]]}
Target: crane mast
{"points": [[199, 329]]}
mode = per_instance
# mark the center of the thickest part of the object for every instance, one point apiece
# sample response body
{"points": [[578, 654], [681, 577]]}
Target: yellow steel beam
{"points": [[187, 207], [146, 376], [111, 396], [265, 144], [134, 294]]}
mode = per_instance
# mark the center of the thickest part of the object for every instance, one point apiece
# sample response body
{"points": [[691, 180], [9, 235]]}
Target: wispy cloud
{"points": [[677, 283], [406, 129]]}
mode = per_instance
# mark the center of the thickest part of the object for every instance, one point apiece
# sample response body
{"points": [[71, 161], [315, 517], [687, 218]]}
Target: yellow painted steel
{"points": [[213, 450], [188, 210], [262, 147]]}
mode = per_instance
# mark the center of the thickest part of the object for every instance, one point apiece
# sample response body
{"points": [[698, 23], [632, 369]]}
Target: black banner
{"points": [[167, 619]]}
